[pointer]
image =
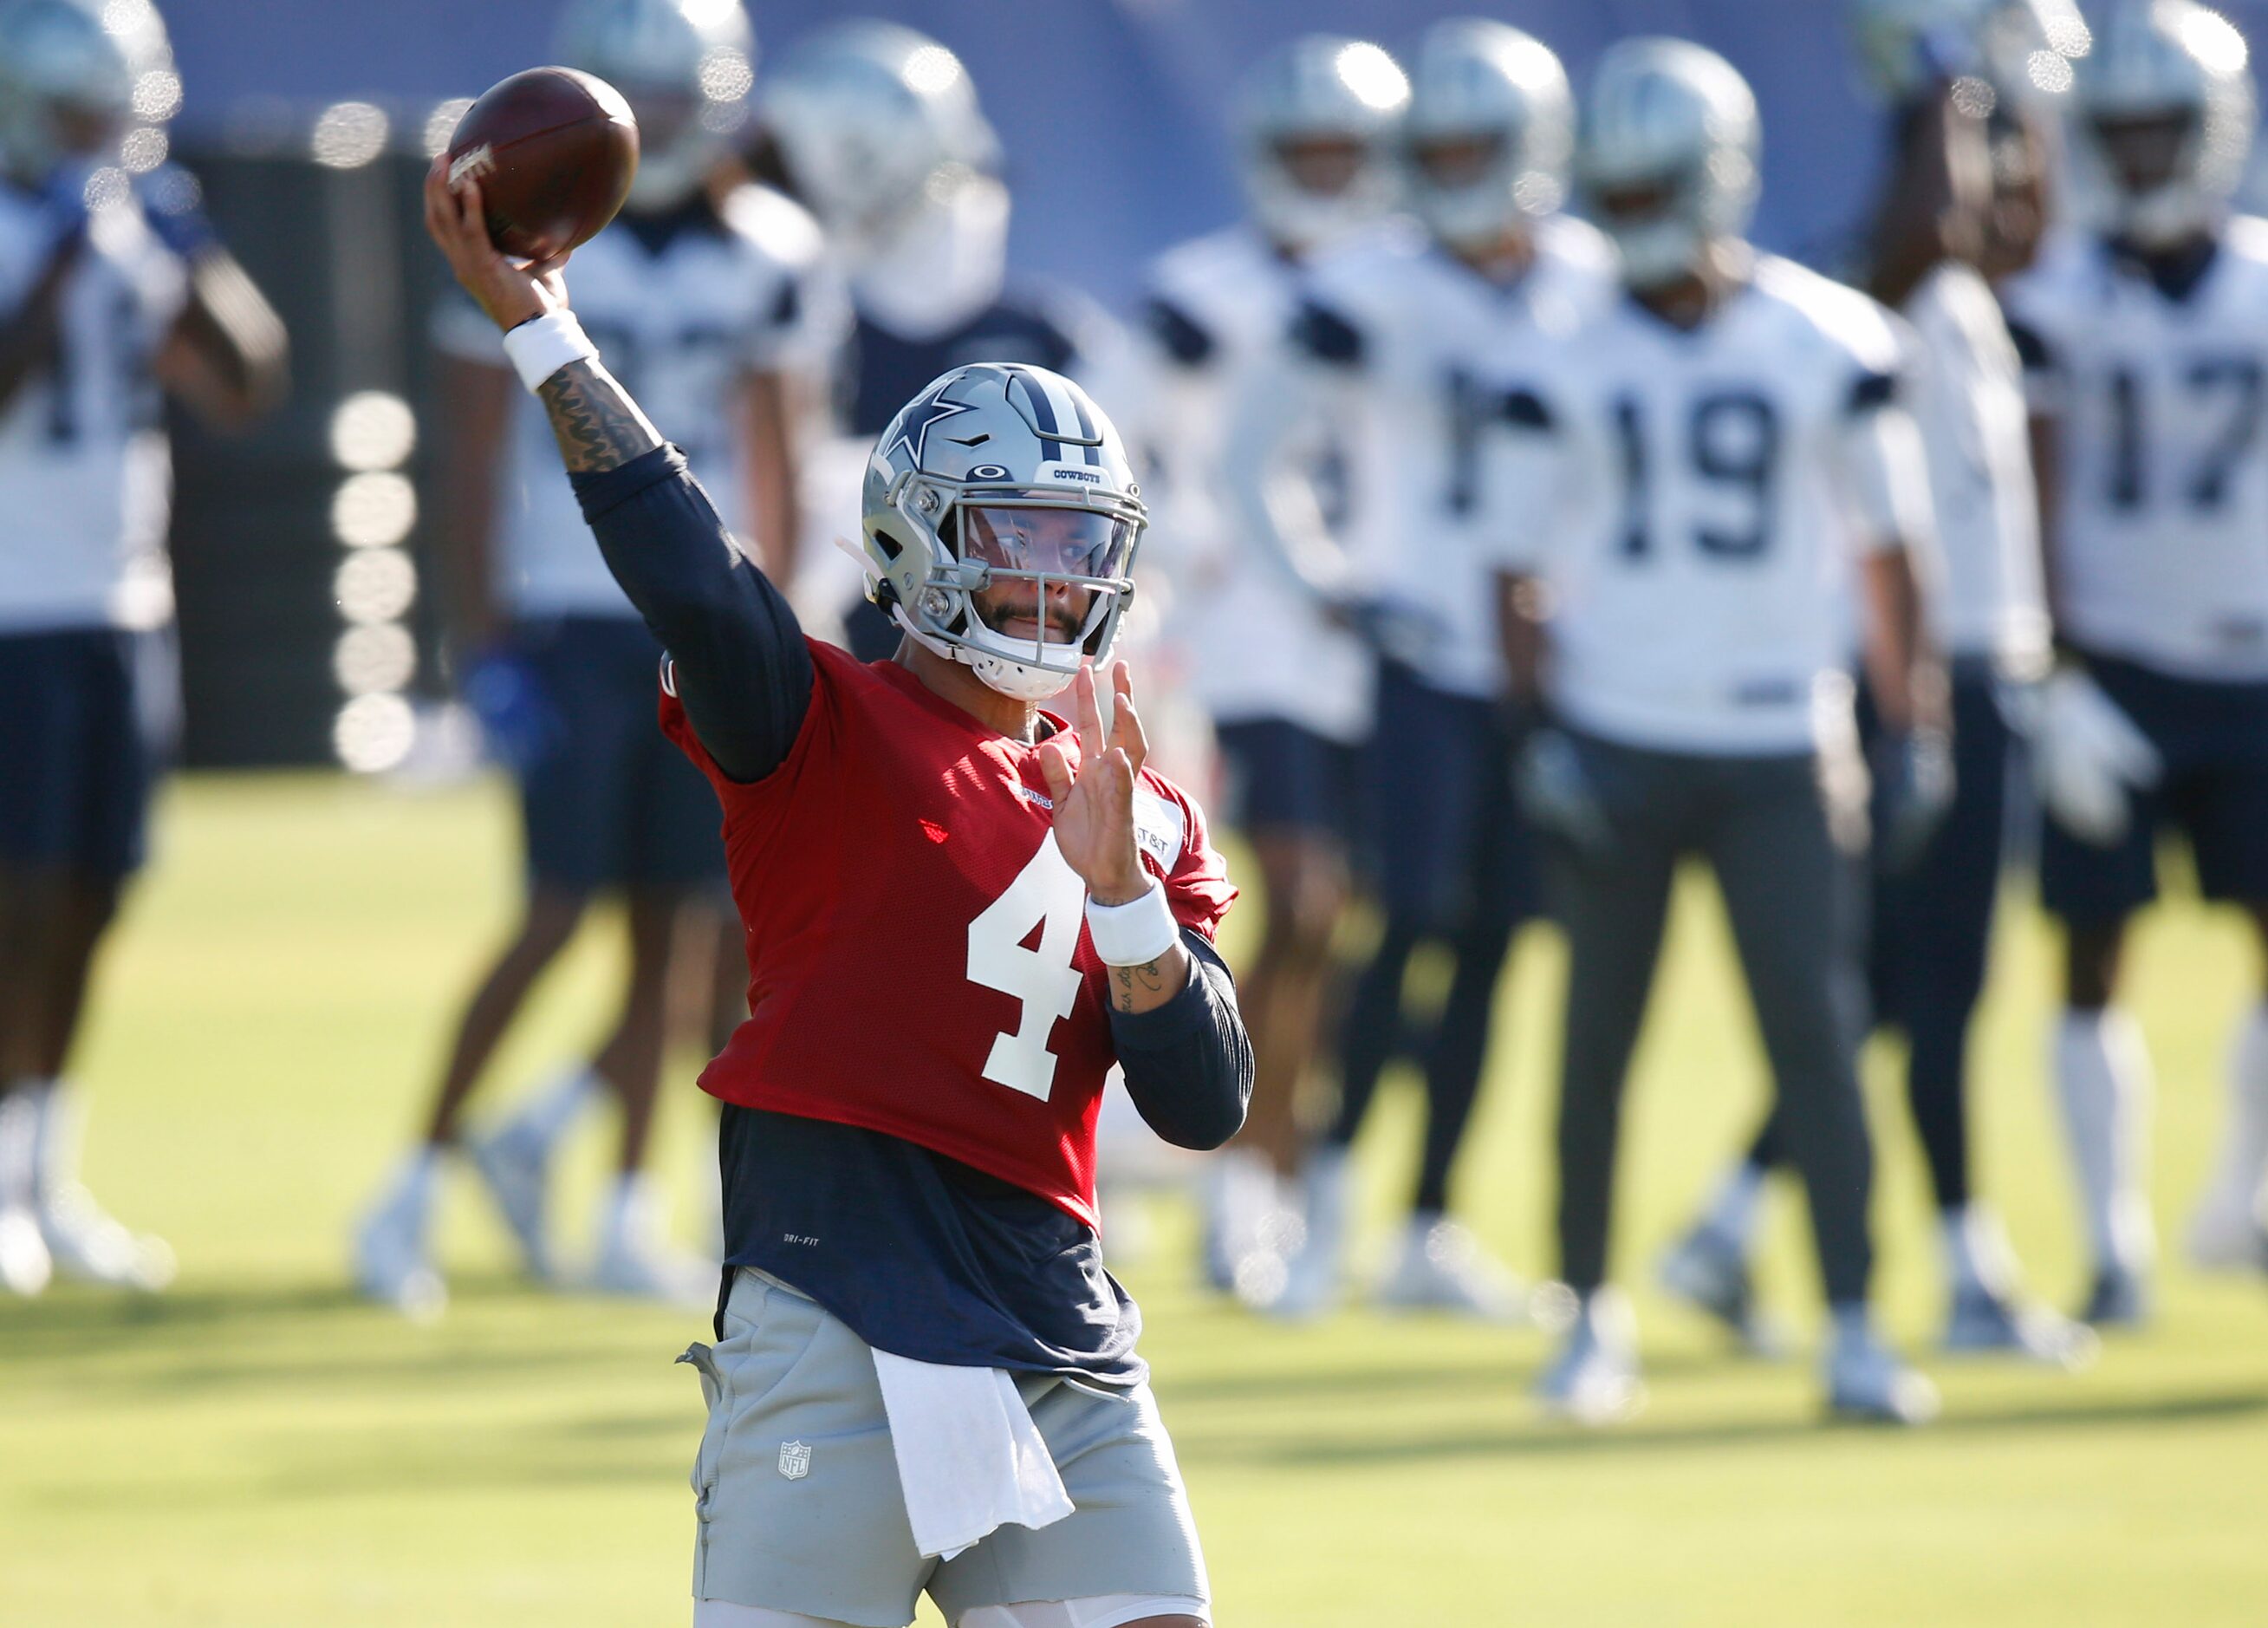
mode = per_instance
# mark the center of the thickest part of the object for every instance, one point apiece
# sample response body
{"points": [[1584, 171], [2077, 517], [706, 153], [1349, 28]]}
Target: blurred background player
{"points": [[876, 129], [2147, 340], [1700, 459], [711, 300], [113, 290], [1287, 687], [1390, 333], [1946, 70]]}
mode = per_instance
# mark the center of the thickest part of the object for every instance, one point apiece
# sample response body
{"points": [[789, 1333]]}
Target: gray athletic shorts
{"points": [[820, 1529]]}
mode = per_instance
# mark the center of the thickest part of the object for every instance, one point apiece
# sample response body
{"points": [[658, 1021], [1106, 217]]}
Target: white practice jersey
{"points": [[681, 325], [1258, 643], [1968, 401], [1693, 502], [1416, 330], [86, 479], [2159, 399]]}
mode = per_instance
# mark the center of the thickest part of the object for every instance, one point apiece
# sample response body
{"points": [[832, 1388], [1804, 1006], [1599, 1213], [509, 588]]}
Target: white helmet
{"points": [[1484, 82], [1000, 472], [685, 66], [2175, 60], [1669, 115], [57, 60], [871, 121], [2023, 46], [1319, 88]]}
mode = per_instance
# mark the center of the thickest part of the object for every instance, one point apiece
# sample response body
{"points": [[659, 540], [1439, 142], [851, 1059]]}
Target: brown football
{"points": [[554, 150]]}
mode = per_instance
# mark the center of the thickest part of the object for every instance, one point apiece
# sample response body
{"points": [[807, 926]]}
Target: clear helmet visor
{"points": [[1052, 576]]}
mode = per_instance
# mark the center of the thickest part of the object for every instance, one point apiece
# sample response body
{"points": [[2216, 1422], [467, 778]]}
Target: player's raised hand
{"points": [[510, 291], [1092, 785]]}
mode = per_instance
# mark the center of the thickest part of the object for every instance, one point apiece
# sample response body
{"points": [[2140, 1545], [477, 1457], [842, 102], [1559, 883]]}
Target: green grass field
{"points": [[257, 1448]]}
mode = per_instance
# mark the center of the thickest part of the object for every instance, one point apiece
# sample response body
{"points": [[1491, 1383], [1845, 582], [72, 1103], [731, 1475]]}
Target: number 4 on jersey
{"points": [[1048, 896]]}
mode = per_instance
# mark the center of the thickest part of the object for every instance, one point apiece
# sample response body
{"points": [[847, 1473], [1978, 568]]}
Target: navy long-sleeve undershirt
{"points": [[897, 1273]]}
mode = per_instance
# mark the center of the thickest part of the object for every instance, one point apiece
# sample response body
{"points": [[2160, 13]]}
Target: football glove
{"points": [[1558, 795], [518, 726], [2089, 758], [1914, 791]]}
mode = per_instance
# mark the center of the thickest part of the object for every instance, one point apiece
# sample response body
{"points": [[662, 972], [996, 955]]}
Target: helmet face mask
{"points": [[1000, 524]]}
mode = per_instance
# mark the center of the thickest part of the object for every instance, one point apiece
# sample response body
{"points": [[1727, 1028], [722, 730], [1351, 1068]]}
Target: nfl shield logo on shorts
{"points": [[795, 1460]]}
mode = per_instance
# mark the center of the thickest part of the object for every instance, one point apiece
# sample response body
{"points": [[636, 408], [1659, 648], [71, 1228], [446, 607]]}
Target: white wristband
{"points": [[540, 346], [1136, 933]]}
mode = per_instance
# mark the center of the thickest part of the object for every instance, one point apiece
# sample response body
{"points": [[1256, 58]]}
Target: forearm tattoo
{"points": [[1149, 978], [598, 425]]}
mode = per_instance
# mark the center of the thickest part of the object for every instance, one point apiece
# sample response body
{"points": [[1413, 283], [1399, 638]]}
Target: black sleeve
{"points": [[1189, 1062], [740, 666]]}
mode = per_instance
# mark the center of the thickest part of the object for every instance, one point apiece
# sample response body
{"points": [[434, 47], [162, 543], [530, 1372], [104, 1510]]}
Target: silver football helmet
{"points": [[1003, 474], [1669, 155], [2023, 46], [1490, 131], [871, 121], [1319, 89], [67, 84], [2175, 65], [685, 66]]}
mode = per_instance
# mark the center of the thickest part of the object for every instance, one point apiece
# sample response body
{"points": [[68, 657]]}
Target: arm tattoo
{"points": [[598, 425], [1149, 975]]}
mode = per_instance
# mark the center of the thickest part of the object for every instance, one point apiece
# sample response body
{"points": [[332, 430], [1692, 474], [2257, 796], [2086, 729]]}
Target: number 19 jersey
{"points": [[918, 957], [2160, 535], [1692, 501]]}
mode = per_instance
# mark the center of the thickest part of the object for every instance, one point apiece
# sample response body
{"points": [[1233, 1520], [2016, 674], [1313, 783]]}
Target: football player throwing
{"points": [[961, 911]]}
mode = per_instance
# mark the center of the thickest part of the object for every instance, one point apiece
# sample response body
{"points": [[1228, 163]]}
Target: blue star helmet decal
{"points": [[921, 417]]}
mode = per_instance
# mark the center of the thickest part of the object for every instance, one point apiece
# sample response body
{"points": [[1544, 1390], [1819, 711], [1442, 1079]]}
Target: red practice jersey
{"points": [[918, 959]]}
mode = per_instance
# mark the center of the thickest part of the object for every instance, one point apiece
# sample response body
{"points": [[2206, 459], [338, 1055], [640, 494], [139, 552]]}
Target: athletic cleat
{"points": [[1594, 1380], [1710, 1272], [89, 1245], [25, 1266], [1311, 1275], [2119, 1298], [2226, 1237], [635, 1258], [1982, 1322], [1442, 1267], [515, 1165], [390, 1264], [1868, 1383]]}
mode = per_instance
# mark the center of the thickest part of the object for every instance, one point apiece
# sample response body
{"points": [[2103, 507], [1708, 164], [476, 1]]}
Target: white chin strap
{"points": [[1021, 680]]}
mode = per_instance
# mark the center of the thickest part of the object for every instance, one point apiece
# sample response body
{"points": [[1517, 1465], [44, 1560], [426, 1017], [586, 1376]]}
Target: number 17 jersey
{"points": [[2159, 395], [918, 958]]}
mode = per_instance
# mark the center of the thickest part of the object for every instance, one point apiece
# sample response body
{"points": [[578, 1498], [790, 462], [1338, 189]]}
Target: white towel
{"points": [[969, 1458]]}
